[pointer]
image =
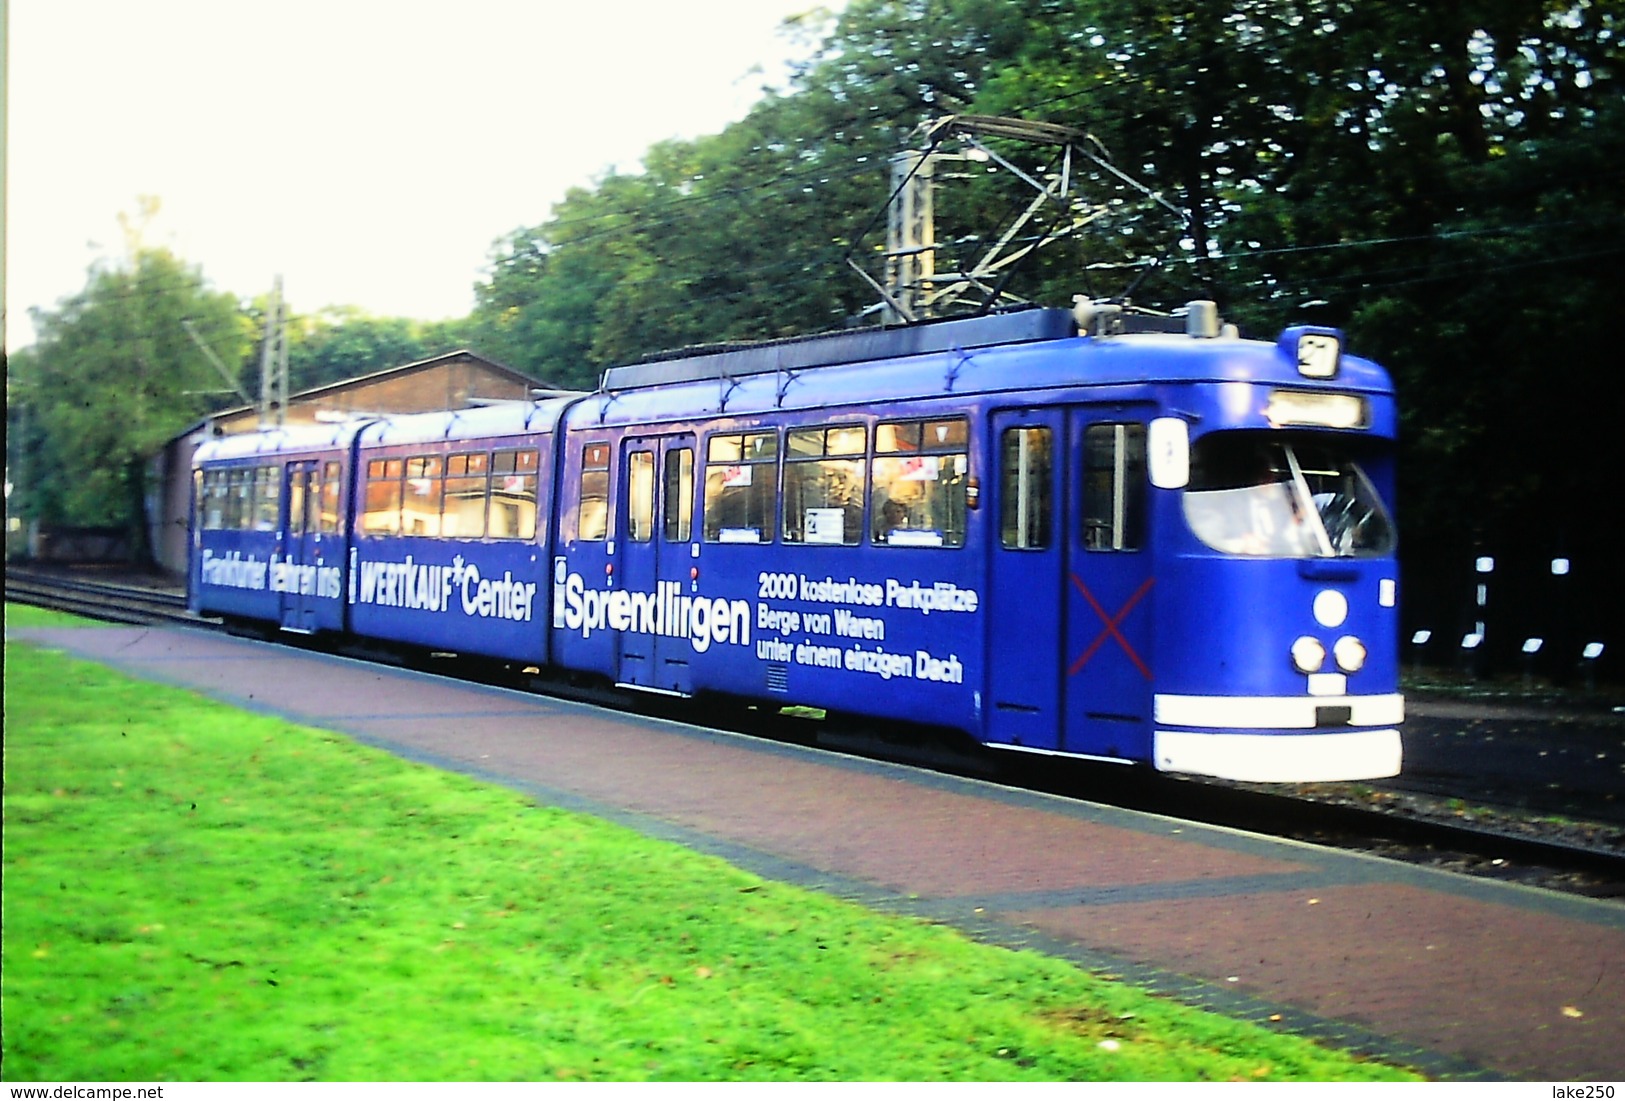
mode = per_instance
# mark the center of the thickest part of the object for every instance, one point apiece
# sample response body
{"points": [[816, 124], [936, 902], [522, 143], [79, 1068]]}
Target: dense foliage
{"points": [[112, 377], [342, 342]]}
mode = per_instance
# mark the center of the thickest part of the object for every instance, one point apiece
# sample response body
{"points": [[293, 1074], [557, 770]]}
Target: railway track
{"points": [[111, 601], [1499, 843], [1503, 843]]}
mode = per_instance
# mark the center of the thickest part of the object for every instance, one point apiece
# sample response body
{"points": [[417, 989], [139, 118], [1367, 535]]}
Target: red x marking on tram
{"points": [[1111, 623]]}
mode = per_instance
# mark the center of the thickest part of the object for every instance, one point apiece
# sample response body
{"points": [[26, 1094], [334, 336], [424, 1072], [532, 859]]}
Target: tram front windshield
{"points": [[1269, 496]]}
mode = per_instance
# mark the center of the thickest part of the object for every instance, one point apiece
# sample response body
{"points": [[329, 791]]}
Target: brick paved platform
{"points": [[1463, 978]]}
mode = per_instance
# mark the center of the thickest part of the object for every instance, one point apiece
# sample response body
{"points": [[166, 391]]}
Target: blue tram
{"points": [[1088, 533]]}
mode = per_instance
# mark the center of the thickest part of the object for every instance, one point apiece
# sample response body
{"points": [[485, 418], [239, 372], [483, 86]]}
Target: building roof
{"points": [[327, 388]]}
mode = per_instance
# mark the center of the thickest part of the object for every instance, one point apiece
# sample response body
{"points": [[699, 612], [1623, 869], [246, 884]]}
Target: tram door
{"points": [[301, 544], [655, 557], [1071, 583]]}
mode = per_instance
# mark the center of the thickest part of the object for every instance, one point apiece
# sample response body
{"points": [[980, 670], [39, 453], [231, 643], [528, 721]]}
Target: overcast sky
{"points": [[368, 151]]}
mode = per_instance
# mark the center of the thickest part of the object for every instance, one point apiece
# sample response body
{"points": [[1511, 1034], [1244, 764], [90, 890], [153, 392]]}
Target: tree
{"points": [[342, 342], [112, 376]]}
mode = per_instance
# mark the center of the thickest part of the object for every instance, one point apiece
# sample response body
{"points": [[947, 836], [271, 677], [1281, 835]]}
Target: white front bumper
{"points": [[1343, 737]]}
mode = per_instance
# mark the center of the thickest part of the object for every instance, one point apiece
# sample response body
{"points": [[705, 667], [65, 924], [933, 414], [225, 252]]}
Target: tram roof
{"points": [[279, 441], [1036, 350], [832, 349], [501, 419]]}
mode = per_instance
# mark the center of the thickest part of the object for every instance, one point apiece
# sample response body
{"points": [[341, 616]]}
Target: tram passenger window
{"points": [[238, 500], [298, 486], [231, 509], [679, 495], [226, 499], [1113, 487], [463, 514], [513, 495], [267, 497], [917, 497], [592, 517], [328, 522], [1026, 464], [823, 484], [420, 499], [741, 488], [212, 499], [212, 502], [311, 509], [201, 505], [383, 509], [640, 496]]}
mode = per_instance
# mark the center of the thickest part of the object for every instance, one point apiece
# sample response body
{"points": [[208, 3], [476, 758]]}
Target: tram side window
{"points": [[1026, 461], [679, 495], [238, 502], [823, 484], [217, 491], [202, 505], [1114, 487], [328, 519], [300, 493], [383, 508], [466, 481], [741, 495], [917, 497], [212, 499], [267, 497], [420, 498], [640, 496], [592, 517], [513, 495]]}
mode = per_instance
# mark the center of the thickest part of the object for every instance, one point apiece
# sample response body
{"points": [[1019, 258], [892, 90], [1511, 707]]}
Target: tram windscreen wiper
{"points": [[1308, 513]]}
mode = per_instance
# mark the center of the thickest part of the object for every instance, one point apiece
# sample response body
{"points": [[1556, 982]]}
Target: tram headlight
{"points": [[1308, 655], [1350, 654]]}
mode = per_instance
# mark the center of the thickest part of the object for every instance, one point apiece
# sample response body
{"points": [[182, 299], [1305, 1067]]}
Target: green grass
{"points": [[26, 615], [195, 893]]}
